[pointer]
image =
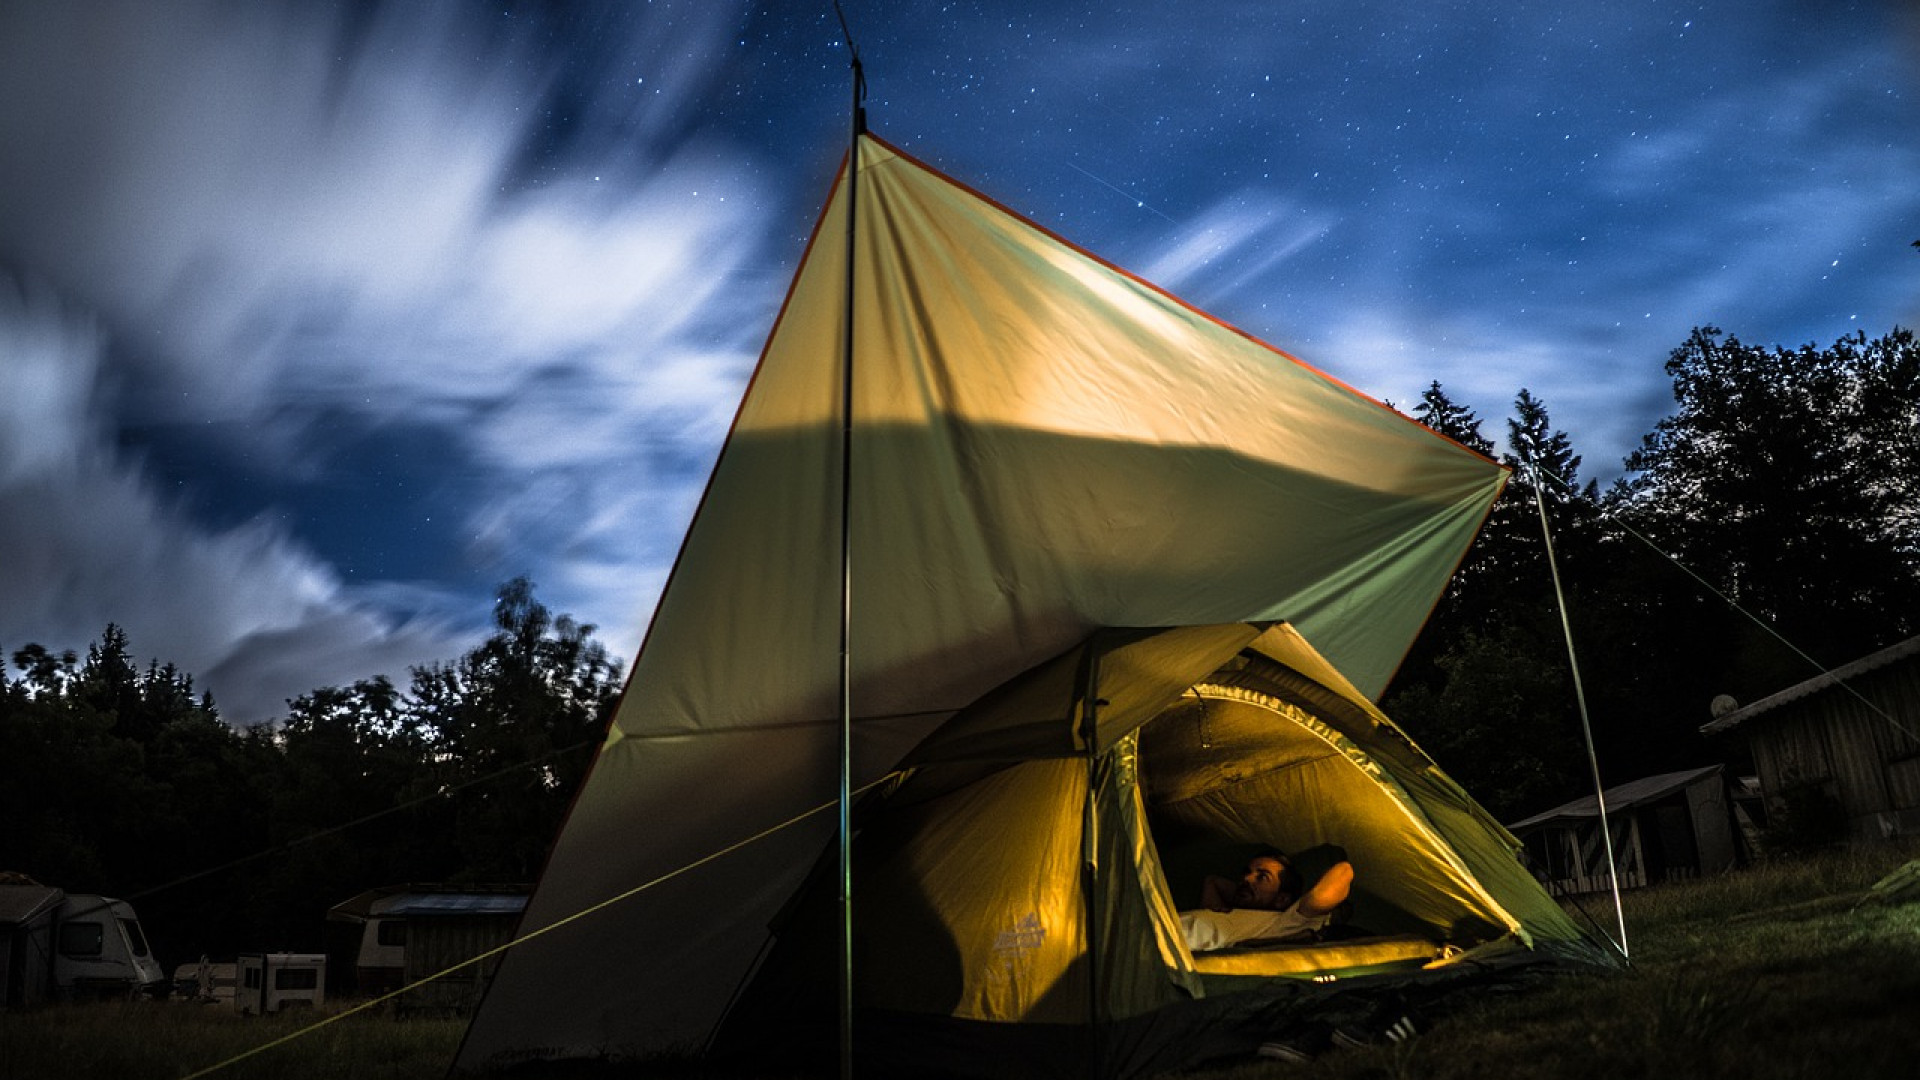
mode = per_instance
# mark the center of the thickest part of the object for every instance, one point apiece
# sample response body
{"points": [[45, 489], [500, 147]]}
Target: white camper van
{"points": [[269, 982], [55, 944]]}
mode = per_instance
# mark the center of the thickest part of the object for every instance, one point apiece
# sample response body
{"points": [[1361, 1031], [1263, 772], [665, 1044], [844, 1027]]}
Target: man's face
{"points": [[1260, 888]]}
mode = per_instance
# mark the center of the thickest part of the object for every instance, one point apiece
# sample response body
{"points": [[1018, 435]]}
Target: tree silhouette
{"points": [[1789, 479], [121, 780]]}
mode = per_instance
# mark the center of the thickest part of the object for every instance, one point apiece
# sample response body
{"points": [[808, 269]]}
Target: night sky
{"points": [[319, 321]]}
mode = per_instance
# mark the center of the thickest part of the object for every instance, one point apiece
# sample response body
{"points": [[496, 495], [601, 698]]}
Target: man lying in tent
{"points": [[1261, 906]]}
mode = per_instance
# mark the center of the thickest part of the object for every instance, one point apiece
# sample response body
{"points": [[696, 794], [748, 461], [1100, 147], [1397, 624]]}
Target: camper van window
{"points": [[393, 931], [135, 936], [300, 978], [82, 939]]}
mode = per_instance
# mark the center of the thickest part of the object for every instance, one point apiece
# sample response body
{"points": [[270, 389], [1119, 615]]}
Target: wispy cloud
{"points": [[280, 220], [299, 240], [88, 539], [1234, 243]]}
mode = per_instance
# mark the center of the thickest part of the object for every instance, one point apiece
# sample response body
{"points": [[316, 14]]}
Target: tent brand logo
{"points": [[1026, 935], [1011, 947]]}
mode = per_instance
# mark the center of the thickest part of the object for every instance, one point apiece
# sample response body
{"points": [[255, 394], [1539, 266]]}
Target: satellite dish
{"points": [[1722, 705]]}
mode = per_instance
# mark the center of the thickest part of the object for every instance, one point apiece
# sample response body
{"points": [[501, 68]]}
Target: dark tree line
{"points": [[1786, 485], [1789, 481], [122, 780]]}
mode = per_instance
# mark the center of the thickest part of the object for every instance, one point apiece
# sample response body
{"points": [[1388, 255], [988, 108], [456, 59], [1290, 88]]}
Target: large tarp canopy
{"points": [[1042, 446]]}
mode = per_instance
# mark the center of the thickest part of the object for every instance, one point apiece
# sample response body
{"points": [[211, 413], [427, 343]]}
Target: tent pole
{"points": [[1580, 695], [859, 125], [1090, 859]]}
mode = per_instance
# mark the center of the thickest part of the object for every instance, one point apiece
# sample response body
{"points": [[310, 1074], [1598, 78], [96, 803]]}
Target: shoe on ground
{"points": [[1298, 1046], [1396, 1027]]}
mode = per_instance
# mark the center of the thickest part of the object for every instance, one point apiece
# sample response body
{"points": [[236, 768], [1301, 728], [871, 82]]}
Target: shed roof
{"points": [[1620, 797], [1824, 681], [416, 899], [414, 905]]}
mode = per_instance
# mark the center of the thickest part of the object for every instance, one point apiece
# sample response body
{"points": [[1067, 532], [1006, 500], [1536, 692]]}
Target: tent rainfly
{"points": [[1092, 531]]}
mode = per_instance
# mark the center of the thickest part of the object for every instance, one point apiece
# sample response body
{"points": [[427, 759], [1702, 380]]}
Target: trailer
{"points": [[206, 982], [266, 983], [61, 946]]}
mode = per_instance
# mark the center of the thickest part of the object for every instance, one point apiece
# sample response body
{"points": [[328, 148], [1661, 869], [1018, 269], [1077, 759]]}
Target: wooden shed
{"points": [[1664, 828], [1846, 743], [422, 937]]}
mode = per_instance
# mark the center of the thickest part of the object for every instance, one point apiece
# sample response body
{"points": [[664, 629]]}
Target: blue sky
{"points": [[318, 321]]}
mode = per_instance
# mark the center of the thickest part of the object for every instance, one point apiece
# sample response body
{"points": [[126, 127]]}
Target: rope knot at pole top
{"points": [[853, 49], [859, 72]]}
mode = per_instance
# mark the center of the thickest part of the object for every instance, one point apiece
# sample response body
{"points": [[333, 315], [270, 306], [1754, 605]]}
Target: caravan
{"points": [[266, 983], [56, 945]]}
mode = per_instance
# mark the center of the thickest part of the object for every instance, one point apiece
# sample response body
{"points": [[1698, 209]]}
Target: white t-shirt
{"points": [[1207, 930]]}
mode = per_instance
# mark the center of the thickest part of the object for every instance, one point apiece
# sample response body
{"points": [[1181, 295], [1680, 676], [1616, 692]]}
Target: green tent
{"points": [[1018, 881], [1045, 452]]}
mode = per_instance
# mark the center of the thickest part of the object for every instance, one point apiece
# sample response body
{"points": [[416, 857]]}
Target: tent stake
{"points": [[859, 125], [1580, 695]]}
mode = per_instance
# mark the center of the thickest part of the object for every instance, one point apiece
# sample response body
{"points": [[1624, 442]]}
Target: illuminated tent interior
{"points": [[1208, 744], [1042, 448]]}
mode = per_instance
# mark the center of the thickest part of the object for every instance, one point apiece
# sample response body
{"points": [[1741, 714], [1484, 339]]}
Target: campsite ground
{"points": [[1773, 972]]}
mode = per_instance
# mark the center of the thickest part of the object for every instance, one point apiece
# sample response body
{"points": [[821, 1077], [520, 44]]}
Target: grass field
{"points": [[1771, 972], [1764, 974], [161, 1040]]}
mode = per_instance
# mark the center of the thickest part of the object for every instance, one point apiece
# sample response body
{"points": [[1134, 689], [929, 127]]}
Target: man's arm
{"points": [[1329, 892], [1217, 893]]}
